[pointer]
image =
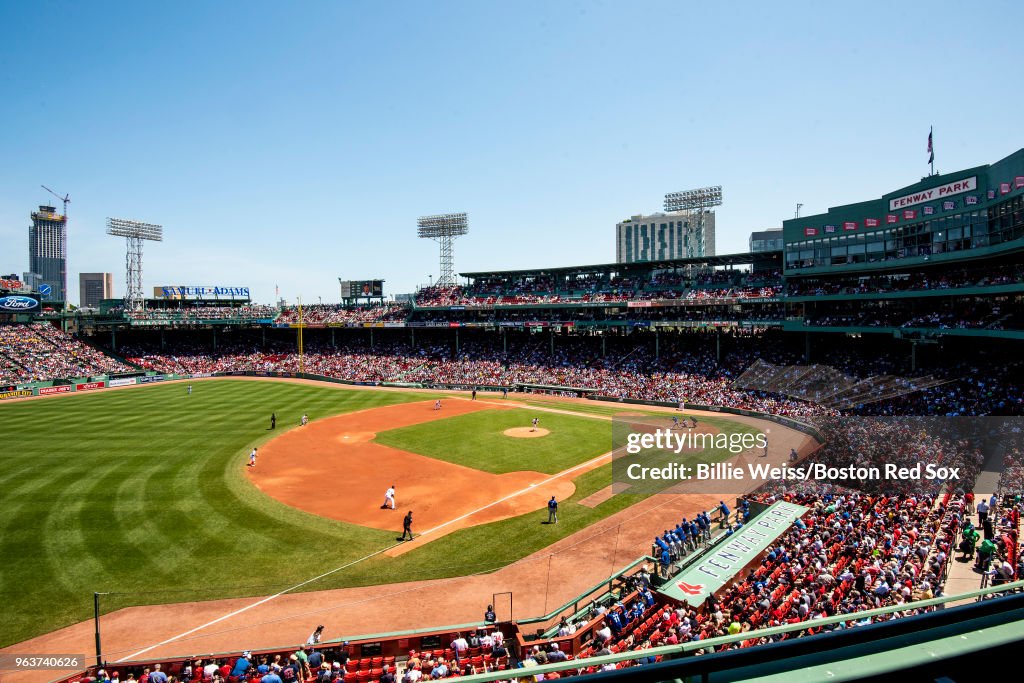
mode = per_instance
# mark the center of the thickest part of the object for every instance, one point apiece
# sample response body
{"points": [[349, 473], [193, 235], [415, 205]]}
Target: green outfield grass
{"points": [[476, 440], [142, 493]]}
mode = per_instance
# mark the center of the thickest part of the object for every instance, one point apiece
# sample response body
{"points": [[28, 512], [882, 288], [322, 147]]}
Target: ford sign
{"points": [[18, 303]]}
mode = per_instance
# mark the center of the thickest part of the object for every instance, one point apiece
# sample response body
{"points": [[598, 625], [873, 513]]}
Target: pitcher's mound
{"points": [[526, 432]]}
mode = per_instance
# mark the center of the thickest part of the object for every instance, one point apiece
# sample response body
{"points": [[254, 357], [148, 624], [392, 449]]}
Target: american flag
{"points": [[931, 152]]}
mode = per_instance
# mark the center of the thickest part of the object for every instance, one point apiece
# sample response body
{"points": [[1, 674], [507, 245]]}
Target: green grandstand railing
{"points": [[691, 647], [581, 597], [900, 332], [983, 290]]}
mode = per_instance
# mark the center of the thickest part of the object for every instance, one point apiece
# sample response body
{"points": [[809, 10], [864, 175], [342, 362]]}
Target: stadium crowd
{"points": [[186, 313], [440, 297], [40, 351], [632, 372], [333, 314]]}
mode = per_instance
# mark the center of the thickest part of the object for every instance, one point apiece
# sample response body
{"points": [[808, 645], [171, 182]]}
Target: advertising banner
{"points": [[151, 378], [121, 382], [46, 391], [89, 386], [19, 393], [17, 304], [189, 292]]}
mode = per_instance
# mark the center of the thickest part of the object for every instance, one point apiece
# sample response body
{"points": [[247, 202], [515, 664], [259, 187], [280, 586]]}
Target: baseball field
{"points": [[145, 494]]}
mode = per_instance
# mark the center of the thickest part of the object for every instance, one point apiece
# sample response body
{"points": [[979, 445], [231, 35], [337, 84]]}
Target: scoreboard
{"points": [[357, 289]]}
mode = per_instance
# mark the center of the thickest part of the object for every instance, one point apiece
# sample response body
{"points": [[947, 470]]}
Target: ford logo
{"points": [[18, 303]]}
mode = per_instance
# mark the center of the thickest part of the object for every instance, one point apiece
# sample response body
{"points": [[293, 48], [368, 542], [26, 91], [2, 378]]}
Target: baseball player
{"points": [[305, 419], [536, 421], [389, 499], [437, 404], [189, 389], [252, 458]]}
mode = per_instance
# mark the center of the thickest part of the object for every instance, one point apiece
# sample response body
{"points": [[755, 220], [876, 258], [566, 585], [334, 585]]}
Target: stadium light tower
{"points": [[695, 201], [443, 229], [134, 233]]}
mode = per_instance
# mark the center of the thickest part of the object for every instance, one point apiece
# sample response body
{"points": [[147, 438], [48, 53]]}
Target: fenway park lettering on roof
{"points": [[965, 185]]}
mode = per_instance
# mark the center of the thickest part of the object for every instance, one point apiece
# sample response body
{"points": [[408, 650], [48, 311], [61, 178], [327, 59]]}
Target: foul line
{"points": [[255, 604]]}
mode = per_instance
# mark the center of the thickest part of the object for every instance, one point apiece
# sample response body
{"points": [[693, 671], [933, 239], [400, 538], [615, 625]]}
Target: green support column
{"points": [[807, 347], [412, 331], [215, 339], [552, 343], [718, 347], [504, 342], [371, 337], [113, 340], [161, 339], [913, 356], [604, 339], [657, 345], [456, 341]]}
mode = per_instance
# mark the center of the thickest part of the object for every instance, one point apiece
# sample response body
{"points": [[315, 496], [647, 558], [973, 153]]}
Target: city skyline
{"points": [[290, 146]]}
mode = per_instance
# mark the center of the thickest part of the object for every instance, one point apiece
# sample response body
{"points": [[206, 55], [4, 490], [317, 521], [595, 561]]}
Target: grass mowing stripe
{"points": [[153, 481]]}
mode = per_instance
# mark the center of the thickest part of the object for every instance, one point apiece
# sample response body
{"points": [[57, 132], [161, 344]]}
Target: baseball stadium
{"points": [[602, 471]]}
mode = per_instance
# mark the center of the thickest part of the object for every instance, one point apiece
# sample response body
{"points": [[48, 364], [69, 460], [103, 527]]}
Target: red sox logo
{"points": [[690, 589]]}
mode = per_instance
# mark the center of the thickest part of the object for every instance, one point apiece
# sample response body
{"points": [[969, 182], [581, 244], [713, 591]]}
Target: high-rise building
{"points": [[47, 251], [94, 288], [663, 236], [766, 240]]}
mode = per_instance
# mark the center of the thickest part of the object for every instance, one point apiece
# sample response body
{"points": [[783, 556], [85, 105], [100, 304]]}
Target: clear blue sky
{"points": [[292, 143]]}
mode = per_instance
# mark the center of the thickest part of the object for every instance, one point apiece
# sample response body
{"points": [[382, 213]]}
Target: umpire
{"points": [[407, 526]]}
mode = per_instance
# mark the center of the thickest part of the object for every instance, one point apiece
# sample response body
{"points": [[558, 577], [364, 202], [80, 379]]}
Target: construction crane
{"points": [[66, 198]]}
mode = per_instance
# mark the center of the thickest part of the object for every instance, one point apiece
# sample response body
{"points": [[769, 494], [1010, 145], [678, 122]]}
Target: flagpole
{"points": [[931, 151]]}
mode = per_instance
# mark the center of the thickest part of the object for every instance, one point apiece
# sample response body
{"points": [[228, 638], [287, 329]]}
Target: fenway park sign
{"points": [[940, 192], [729, 556]]}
